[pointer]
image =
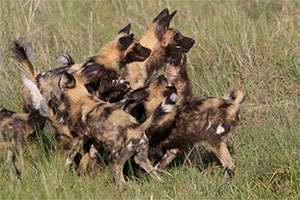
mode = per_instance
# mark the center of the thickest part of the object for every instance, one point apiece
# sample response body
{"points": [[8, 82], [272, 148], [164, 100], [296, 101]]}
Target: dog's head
{"points": [[133, 50], [170, 38], [123, 49], [136, 52]]}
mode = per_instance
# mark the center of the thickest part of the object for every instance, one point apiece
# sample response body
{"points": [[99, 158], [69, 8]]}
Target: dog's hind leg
{"points": [[77, 145], [168, 157], [12, 159], [83, 164]]}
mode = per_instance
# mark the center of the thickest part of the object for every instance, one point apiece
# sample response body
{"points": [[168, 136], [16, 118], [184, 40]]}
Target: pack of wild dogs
{"points": [[114, 101]]}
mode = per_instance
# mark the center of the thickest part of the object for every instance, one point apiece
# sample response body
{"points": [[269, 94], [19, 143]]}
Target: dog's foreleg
{"points": [[224, 156], [141, 157], [117, 168]]}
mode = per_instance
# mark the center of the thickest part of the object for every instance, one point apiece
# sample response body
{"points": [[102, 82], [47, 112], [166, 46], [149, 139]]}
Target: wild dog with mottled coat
{"points": [[108, 125], [161, 40], [15, 127], [194, 120], [105, 69], [107, 64]]}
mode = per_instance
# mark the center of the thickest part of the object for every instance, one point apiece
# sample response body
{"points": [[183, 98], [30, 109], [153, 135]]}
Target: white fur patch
{"points": [[93, 151], [43, 73], [38, 101], [174, 151], [68, 162], [220, 129], [174, 97], [61, 120], [142, 141], [209, 124], [228, 97], [166, 107], [90, 63], [114, 82], [129, 146]]}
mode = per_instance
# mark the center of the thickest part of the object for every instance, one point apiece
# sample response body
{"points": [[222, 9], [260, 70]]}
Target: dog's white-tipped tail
{"points": [[38, 101], [236, 97], [66, 59]]}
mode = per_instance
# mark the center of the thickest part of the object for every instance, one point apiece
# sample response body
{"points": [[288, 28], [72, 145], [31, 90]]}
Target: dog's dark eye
{"points": [[136, 47], [177, 35]]}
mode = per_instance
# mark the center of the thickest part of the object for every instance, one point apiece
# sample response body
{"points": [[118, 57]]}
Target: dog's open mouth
{"points": [[141, 58], [184, 50]]}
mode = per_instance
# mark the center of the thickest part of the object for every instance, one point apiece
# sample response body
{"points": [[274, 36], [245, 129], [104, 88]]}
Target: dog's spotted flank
{"points": [[108, 125]]}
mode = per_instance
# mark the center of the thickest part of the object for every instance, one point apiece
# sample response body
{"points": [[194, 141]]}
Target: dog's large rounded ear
{"points": [[126, 29], [163, 25], [67, 81], [125, 42], [162, 14], [90, 73], [140, 94]]}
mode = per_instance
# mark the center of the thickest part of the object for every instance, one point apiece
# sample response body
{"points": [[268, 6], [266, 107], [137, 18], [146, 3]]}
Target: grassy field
{"points": [[252, 45]]}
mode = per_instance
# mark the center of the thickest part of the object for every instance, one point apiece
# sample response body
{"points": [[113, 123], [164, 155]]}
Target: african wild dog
{"points": [[107, 64], [206, 120], [105, 69], [162, 40], [108, 125], [193, 120], [15, 127]]}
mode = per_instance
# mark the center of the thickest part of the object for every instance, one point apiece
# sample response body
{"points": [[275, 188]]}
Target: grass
{"points": [[253, 45]]}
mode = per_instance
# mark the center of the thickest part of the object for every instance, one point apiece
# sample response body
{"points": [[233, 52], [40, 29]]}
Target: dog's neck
{"points": [[76, 99], [155, 61], [183, 85], [109, 56], [139, 73]]}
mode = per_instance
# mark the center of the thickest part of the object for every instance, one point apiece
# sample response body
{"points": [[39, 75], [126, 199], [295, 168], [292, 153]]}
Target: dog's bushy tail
{"points": [[236, 97], [23, 52], [66, 59], [161, 110], [38, 101]]}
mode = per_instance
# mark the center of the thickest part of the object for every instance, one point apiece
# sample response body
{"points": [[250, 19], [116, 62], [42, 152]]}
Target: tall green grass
{"points": [[252, 45]]}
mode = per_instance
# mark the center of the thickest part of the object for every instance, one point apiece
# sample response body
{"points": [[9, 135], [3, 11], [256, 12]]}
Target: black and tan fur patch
{"points": [[14, 130]]}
